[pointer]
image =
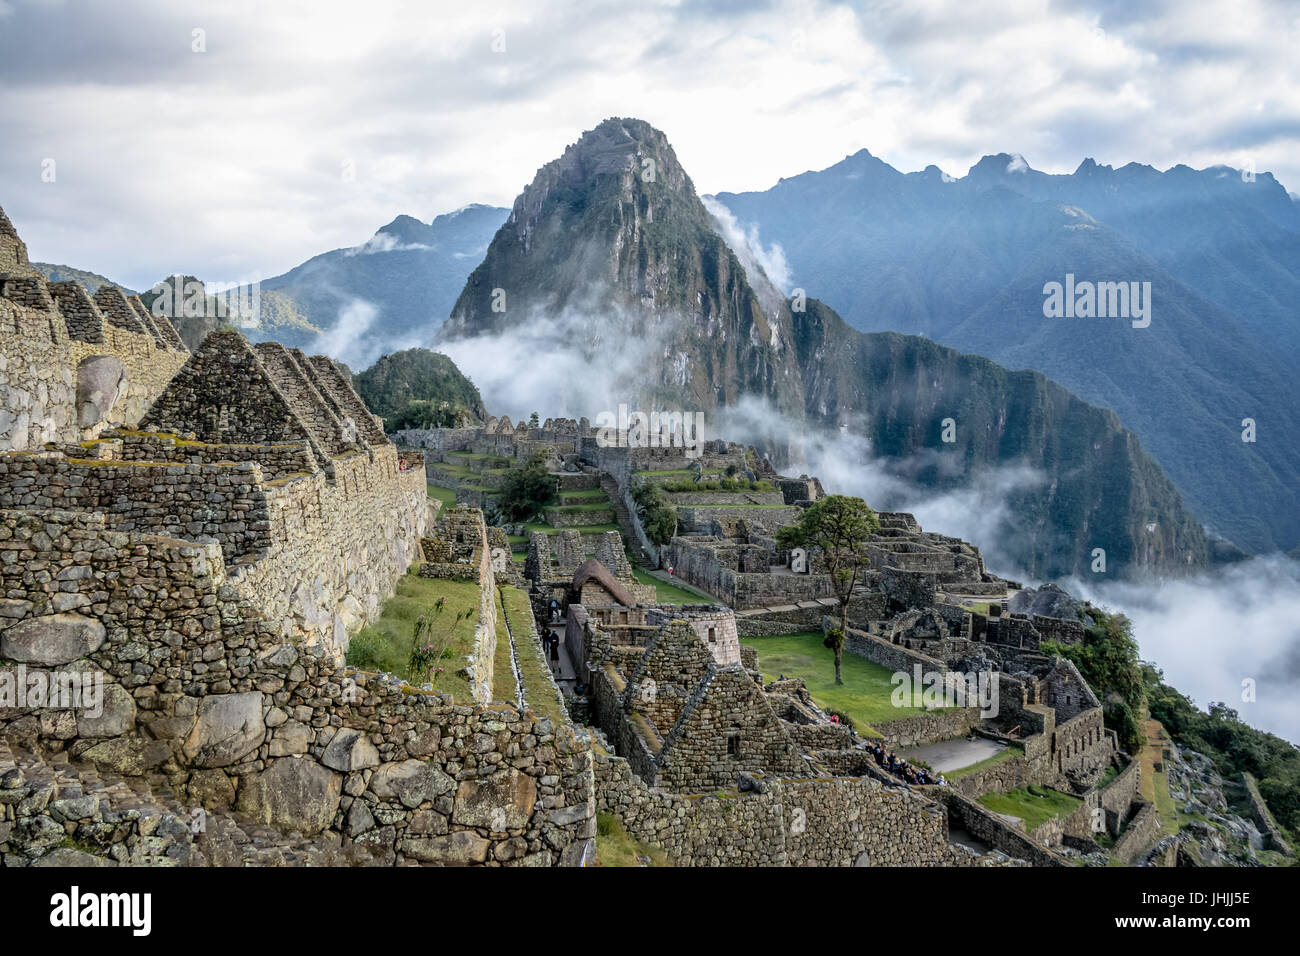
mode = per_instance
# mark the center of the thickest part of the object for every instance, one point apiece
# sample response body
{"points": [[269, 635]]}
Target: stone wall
{"points": [[1141, 832], [56, 387], [791, 822], [204, 690], [921, 729], [318, 555], [225, 502], [991, 829], [1263, 818]]}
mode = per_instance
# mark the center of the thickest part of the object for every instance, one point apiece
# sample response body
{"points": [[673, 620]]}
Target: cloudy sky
{"points": [[235, 141]]}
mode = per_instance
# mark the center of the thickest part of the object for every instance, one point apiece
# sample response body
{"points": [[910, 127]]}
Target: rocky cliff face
{"points": [[611, 249], [612, 243]]}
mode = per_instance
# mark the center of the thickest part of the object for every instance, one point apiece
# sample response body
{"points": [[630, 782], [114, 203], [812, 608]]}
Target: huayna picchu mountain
{"points": [[611, 245]]}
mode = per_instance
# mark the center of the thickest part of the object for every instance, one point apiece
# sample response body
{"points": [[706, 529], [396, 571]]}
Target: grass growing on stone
{"points": [[385, 644], [865, 694], [503, 669], [1033, 804], [666, 593], [1012, 751], [534, 672], [614, 847]]}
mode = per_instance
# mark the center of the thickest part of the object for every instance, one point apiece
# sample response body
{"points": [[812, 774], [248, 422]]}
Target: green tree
{"points": [[534, 420], [527, 489], [838, 527], [657, 513]]}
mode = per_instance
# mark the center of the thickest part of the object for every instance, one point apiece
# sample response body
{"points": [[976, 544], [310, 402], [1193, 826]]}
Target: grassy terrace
{"points": [[579, 497], [615, 848], [539, 692], [1033, 804], [446, 495], [385, 644], [652, 473], [584, 506], [666, 593], [544, 528], [503, 668], [1153, 783], [864, 697]]}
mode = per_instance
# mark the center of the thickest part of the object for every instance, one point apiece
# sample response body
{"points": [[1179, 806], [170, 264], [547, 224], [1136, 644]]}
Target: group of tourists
{"points": [[551, 648], [890, 762]]}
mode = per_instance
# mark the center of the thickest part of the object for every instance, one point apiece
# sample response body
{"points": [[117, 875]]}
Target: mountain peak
{"points": [[999, 165]]}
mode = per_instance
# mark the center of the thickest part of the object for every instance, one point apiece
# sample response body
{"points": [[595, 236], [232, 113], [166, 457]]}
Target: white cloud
{"points": [[1211, 632], [231, 162]]}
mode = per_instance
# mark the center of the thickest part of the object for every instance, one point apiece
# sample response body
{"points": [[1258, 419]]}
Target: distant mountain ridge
{"points": [[612, 240], [964, 261], [390, 293]]}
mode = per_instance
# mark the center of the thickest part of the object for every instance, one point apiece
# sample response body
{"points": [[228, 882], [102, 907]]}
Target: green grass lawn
{"points": [[865, 694], [1033, 804], [1012, 751], [666, 593], [446, 495], [385, 644]]}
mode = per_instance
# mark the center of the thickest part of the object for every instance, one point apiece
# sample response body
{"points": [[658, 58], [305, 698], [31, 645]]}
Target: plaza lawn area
{"points": [[864, 695], [385, 644], [1015, 750], [1033, 804], [615, 848], [446, 495], [666, 593]]}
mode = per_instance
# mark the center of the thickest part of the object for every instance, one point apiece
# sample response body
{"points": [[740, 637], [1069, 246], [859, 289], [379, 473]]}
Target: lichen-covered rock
{"points": [[101, 380], [52, 639], [296, 794], [500, 802], [228, 728], [412, 782], [350, 750]]}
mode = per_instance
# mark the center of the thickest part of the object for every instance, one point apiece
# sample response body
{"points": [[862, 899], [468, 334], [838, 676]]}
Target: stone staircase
{"points": [[626, 523], [56, 811]]}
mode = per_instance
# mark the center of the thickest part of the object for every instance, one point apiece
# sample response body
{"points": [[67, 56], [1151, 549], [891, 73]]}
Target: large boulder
{"points": [[228, 728], [116, 715], [100, 383], [454, 849], [412, 782], [503, 801], [350, 750], [297, 793], [53, 639]]}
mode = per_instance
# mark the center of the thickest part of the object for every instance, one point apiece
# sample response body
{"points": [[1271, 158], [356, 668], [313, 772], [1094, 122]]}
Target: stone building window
{"points": [[733, 745], [713, 636]]}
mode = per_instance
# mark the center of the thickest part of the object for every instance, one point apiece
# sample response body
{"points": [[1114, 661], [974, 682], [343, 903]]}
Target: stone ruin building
{"points": [[186, 543], [199, 534], [693, 753]]}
